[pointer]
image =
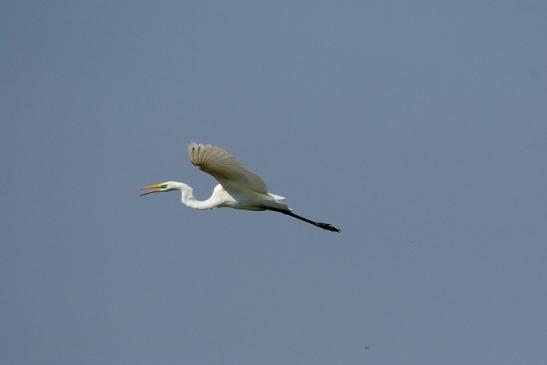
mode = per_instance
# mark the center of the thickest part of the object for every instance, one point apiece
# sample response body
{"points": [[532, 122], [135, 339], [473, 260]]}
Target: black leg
{"points": [[328, 227]]}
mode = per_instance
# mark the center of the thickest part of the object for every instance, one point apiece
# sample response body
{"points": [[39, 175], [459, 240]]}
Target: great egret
{"points": [[239, 188]]}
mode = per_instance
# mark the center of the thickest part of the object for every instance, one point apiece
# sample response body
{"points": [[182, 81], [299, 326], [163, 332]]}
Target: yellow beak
{"points": [[154, 188]]}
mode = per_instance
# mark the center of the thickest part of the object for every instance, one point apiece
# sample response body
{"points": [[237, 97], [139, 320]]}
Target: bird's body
{"points": [[239, 188], [221, 198]]}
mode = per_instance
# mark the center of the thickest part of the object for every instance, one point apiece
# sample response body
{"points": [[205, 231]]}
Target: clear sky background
{"points": [[418, 127]]}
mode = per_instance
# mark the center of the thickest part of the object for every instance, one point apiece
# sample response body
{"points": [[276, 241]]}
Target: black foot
{"points": [[328, 227]]}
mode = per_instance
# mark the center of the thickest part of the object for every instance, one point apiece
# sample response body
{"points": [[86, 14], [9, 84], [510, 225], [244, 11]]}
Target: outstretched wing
{"points": [[224, 167]]}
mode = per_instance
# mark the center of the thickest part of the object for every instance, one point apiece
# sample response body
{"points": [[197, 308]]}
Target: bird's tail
{"points": [[278, 198], [279, 202]]}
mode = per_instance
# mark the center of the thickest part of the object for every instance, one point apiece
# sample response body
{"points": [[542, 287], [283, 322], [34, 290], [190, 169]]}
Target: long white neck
{"points": [[187, 198]]}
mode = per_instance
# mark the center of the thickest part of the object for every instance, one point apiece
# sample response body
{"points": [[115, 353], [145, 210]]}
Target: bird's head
{"points": [[159, 188]]}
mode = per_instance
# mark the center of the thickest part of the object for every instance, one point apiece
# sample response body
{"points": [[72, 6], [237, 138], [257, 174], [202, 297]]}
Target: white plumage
{"points": [[239, 188], [225, 168]]}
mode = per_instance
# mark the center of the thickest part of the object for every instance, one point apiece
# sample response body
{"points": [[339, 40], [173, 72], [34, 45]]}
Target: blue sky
{"points": [[418, 128]]}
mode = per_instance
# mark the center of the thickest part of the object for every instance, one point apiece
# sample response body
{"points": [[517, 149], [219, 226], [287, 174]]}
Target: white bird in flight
{"points": [[239, 188]]}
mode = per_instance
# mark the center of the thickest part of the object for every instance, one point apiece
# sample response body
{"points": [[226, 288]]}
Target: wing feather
{"points": [[224, 167]]}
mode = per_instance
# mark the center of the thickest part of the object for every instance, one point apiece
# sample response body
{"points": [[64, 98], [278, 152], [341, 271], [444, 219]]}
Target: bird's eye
{"points": [[163, 186]]}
